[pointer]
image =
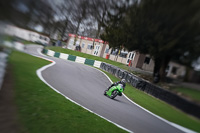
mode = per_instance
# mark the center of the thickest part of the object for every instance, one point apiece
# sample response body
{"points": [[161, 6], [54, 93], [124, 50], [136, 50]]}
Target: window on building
{"points": [[83, 45], [114, 51], [174, 70], [89, 46], [129, 55], [128, 61], [167, 69], [132, 56], [123, 54], [107, 50], [71, 42], [147, 60], [77, 43]]}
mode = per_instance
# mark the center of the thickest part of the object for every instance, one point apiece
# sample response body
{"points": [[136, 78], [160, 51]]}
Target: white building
{"points": [[133, 58], [24, 34]]}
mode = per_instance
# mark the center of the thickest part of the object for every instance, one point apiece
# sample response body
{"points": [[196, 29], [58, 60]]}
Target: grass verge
{"points": [[42, 110], [188, 92], [72, 52], [159, 107]]}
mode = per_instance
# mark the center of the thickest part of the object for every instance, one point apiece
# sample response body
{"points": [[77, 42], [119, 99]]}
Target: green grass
{"points": [[152, 104], [7, 38], [159, 107], [192, 93], [42, 110], [27, 42], [72, 52], [187, 92]]}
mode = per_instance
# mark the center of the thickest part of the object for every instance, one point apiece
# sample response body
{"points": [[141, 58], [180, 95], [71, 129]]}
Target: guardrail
{"points": [[139, 83], [3, 64], [162, 94], [72, 58], [3, 57]]}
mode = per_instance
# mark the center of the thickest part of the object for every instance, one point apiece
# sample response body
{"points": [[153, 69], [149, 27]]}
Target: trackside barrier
{"points": [[80, 60], [63, 56], [44, 51], [72, 58], [57, 54], [97, 63], [143, 85], [3, 65], [4, 54], [50, 53], [16, 45], [89, 62]]}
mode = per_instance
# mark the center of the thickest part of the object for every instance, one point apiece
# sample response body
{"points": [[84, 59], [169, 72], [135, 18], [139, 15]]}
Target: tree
{"points": [[63, 13], [28, 13], [80, 13], [167, 30], [11, 13], [98, 11], [113, 25]]}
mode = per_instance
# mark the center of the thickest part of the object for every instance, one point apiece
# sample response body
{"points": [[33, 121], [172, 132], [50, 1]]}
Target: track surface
{"points": [[85, 85]]}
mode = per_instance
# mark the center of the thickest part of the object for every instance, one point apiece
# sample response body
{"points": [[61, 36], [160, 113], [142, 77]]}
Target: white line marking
{"points": [[186, 130], [168, 122], [39, 71]]}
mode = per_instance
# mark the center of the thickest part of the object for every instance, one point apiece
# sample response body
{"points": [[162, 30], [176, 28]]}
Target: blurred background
{"points": [[163, 35], [166, 31], [55, 17]]}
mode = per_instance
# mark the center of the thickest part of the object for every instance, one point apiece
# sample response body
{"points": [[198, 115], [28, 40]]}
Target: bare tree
{"points": [[79, 13], [99, 10]]}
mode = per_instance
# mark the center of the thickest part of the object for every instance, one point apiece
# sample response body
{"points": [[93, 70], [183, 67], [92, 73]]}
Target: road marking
{"points": [[39, 73], [168, 122], [186, 130]]}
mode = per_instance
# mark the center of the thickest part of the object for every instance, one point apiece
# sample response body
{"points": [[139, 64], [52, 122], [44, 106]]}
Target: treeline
{"points": [[83, 17], [165, 29]]}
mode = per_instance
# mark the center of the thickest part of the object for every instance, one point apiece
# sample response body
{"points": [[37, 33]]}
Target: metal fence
{"points": [[162, 94]]}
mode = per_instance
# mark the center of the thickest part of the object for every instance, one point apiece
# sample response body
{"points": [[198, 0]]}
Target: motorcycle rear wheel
{"points": [[105, 92]]}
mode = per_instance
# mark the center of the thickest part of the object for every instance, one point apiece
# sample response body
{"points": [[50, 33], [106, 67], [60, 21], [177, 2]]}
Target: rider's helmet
{"points": [[123, 81]]}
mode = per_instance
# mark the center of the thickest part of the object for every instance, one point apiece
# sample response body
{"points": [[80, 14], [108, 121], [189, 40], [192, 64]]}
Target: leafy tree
{"points": [[165, 29], [114, 26], [27, 13]]}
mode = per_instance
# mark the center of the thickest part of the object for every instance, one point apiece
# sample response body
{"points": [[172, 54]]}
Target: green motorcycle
{"points": [[114, 91]]}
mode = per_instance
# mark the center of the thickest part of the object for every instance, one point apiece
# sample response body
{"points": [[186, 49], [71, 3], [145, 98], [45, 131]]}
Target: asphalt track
{"points": [[85, 85]]}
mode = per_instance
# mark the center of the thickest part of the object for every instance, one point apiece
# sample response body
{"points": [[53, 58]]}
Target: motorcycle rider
{"points": [[123, 82]]}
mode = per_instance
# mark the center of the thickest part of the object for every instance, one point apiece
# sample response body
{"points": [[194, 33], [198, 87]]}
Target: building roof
{"points": [[88, 38]]}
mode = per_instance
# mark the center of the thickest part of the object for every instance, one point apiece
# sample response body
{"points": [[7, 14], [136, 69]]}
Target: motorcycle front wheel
{"points": [[114, 94]]}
